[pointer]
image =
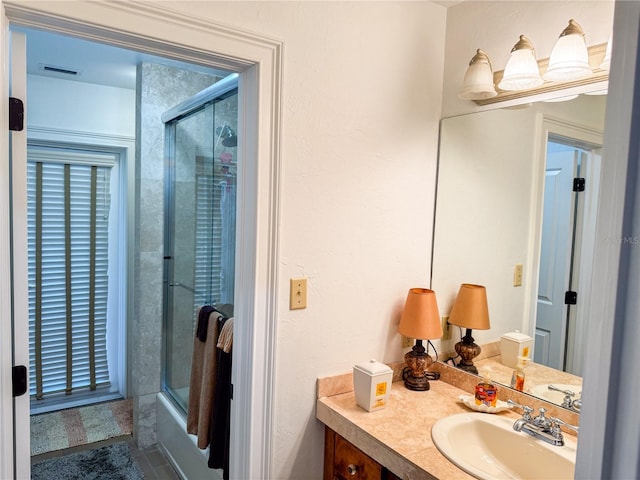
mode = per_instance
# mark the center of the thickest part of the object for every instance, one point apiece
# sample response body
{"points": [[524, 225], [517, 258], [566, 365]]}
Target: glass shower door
{"points": [[199, 229]]}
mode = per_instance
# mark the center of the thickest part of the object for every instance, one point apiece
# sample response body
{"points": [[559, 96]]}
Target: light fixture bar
{"points": [[596, 56]]}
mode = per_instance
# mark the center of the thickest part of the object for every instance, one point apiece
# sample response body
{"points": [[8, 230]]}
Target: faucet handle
{"points": [[527, 410], [557, 423], [568, 394]]}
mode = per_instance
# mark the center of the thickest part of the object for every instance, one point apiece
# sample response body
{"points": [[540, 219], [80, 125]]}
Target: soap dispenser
{"points": [[517, 379], [486, 391]]}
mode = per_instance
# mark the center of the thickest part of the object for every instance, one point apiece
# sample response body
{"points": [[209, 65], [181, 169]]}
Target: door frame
{"points": [[549, 126], [257, 59]]}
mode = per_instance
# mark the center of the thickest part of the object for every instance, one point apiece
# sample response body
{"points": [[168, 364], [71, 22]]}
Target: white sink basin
{"points": [[542, 391], [487, 447]]}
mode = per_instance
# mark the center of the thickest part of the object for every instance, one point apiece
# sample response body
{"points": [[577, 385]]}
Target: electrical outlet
{"points": [[517, 276], [446, 328], [407, 342]]}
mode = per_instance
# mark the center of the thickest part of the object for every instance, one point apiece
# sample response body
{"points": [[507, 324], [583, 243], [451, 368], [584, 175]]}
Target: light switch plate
{"points": [[517, 276], [298, 293]]}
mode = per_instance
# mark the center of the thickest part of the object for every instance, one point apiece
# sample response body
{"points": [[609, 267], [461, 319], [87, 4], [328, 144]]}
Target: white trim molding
{"points": [[609, 441], [7, 466], [153, 28]]}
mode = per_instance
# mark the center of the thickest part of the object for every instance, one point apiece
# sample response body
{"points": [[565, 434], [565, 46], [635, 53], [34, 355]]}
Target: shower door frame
{"points": [[257, 59], [220, 90]]}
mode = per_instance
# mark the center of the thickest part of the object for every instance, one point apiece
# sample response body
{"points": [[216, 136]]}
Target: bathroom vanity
{"points": [[396, 441]]}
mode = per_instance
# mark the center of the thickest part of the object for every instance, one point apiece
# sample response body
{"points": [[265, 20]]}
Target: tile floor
{"points": [[151, 460]]}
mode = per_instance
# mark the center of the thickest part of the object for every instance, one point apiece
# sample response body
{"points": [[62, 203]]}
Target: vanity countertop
{"points": [[535, 373], [399, 436]]}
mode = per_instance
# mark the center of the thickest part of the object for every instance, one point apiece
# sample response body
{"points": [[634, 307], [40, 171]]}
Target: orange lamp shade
{"points": [[420, 317], [470, 309]]}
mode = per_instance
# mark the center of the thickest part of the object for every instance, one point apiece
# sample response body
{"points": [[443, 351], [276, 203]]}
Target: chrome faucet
{"points": [[540, 427], [567, 402]]}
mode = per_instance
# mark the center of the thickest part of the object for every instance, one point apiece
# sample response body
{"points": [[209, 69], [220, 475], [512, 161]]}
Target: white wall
{"points": [[362, 83], [80, 107], [361, 104], [361, 108], [495, 26]]}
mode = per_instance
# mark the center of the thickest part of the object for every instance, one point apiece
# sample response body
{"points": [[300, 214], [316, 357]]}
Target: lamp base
{"points": [[415, 373], [418, 384], [467, 350]]}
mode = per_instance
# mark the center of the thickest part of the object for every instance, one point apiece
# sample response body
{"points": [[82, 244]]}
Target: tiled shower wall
{"points": [[159, 88]]}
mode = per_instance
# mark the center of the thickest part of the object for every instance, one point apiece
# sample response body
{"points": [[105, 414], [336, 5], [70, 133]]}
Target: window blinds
{"points": [[68, 215]]}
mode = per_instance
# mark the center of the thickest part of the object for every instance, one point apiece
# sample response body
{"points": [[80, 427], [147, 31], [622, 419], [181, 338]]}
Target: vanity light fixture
{"points": [[420, 320], [522, 71], [572, 64], [478, 80], [569, 58], [470, 311]]}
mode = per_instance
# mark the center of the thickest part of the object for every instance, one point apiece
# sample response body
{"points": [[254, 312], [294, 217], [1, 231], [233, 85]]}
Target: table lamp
{"points": [[470, 311], [420, 320]]}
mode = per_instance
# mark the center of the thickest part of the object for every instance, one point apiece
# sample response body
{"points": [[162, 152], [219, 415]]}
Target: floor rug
{"points": [[80, 426], [113, 462]]}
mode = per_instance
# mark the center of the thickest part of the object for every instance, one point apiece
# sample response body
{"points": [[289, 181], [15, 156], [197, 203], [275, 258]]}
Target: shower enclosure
{"points": [[200, 199]]}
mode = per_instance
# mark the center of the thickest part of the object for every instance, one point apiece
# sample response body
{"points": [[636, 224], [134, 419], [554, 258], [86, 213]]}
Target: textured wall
{"points": [[361, 104]]}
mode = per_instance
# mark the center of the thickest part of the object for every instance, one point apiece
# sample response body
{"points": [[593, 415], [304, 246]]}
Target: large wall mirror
{"points": [[505, 199]]}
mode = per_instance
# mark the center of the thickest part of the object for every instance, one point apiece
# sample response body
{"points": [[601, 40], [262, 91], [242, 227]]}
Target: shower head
{"points": [[228, 136]]}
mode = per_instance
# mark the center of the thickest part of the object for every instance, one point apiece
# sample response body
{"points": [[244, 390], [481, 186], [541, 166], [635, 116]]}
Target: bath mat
{"points": [[113, 462], [80, 426]]}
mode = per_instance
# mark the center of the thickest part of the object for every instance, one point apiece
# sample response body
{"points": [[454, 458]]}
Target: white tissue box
{"points": [[372, 384], [514, 345]]}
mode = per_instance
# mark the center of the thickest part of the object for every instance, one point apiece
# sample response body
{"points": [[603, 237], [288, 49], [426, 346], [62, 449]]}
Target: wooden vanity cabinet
{"points": [[343, 461]]}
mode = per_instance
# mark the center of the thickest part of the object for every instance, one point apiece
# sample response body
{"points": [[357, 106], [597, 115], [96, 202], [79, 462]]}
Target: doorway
{"points": [[568, 219], [258, 60]]}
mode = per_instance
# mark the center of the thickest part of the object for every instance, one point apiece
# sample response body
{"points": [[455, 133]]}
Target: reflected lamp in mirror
{"points": [[569, 58], [478, 80], [522, 71], [470, 311], [420, 320]]}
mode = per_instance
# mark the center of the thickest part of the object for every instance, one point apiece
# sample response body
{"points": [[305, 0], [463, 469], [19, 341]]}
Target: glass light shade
{"points": [[470, 309], [521, 71], [606, 63], [478, 80], [420, 316], [569, 58]]}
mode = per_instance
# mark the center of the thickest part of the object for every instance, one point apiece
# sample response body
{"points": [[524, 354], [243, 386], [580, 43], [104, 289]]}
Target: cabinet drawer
{"points": [[351, 463]]}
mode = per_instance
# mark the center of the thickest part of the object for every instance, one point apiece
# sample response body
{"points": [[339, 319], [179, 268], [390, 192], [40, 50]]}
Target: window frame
{"points": [[119, 250]]}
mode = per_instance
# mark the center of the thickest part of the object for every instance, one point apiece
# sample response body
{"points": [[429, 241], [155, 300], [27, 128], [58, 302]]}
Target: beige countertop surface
{"points": [[536, 374], [399, 436]]}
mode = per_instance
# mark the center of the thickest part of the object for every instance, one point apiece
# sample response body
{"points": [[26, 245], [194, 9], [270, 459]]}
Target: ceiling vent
{"points": [[57, 70]]}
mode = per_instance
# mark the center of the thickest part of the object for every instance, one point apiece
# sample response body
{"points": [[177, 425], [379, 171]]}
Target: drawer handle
{"points": [[352, 469]]}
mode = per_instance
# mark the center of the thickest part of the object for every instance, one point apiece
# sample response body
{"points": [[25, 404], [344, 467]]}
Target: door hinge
{"points": [[19, 377], [578, 184], [570, 298], [231, 391], [16, 114]]}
